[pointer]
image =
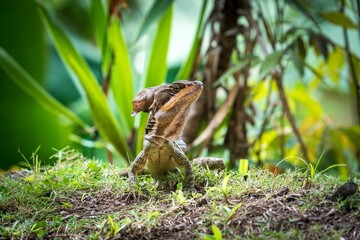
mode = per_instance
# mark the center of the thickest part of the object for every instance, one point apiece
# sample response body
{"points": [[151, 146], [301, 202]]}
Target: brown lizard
{"points": [[169, 106]]}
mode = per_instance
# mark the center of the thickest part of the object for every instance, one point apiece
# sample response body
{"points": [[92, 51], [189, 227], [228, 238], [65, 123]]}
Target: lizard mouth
{"points": [[198, 85]]}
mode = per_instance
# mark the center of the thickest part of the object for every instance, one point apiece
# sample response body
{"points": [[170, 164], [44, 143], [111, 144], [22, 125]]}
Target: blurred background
{"points": [[281, 78]]}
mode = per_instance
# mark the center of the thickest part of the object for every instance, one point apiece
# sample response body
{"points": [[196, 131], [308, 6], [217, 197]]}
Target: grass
{"points": [[78, 198]]}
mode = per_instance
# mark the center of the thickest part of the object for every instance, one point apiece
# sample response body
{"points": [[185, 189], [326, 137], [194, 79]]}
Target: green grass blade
{"points": [[158, 9], [122, 79], [312, 170], [21, 78], [292, 157], [156, 67], [185, 71], [318, 161], [104, 120], [330, 167]]}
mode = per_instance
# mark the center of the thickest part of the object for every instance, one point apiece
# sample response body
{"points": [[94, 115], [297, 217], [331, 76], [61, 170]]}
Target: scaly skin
{"points": [[169, 106]]}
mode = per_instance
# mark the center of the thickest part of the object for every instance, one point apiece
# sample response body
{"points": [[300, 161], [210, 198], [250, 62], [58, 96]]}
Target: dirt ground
{"points": [[107, 212], [258, 214]]}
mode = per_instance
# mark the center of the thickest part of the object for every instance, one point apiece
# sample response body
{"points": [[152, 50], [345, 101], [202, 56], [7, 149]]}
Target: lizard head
{"points": [[169, 106], [178, 95], [155, 97]]}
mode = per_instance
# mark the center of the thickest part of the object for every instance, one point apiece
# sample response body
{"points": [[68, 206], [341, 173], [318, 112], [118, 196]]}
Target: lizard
{"points": [[163, 149]]}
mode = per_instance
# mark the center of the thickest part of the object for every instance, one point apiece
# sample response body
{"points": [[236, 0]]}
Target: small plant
{"points": [[115, 228], [179, 196], [35, 166], [232, 212], [224, 187], [146, 220], [217, 235], [312, 173], [243, 167], [39, 228]]}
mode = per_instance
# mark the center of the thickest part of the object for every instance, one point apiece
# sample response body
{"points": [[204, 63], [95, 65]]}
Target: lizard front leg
{"points": [[136, 167], [184, 163]]}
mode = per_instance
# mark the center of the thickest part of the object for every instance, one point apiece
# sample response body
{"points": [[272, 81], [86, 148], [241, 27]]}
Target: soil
{"points": [[258, 214], [308, 213]]}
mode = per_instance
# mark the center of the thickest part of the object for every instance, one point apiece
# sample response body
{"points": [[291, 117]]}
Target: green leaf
{"points": [[298, 63], [157, 67], [156, 64], [339, 18], [300, 95], [232, 212], [224, 183], [330, 167], [99, 17], [353, 134], [312, 171], [124, 222], [39, 228], [185, 71], [243, 167], [114, 226], [217, 232], [301, 49], [121, 79], [105, 121], [320, 44], [303, 7], [93, 167], [299, 5], [29, 179], [270, 62], [21, 78], [86, 142], [157, 10]]}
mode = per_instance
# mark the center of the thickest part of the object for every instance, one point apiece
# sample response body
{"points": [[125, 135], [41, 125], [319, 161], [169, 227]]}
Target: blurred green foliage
{"points": [[24, 124], [112, 49]]}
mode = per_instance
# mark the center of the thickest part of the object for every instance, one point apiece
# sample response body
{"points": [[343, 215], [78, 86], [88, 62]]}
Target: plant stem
{"points": [[352, 72], [289, 115]]}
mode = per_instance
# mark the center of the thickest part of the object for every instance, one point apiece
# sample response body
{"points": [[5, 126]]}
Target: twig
{"points": [[218, 117], [282, 136], [352, 72], [266, 118], [282, 95], [289, 115], [265, 123], [259, 37]]}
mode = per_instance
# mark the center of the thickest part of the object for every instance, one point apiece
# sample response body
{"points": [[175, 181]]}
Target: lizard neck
{"points": [[170, 131]]}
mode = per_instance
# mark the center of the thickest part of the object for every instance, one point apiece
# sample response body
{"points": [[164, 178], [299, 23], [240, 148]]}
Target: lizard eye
{"points": [[176, 88]]}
